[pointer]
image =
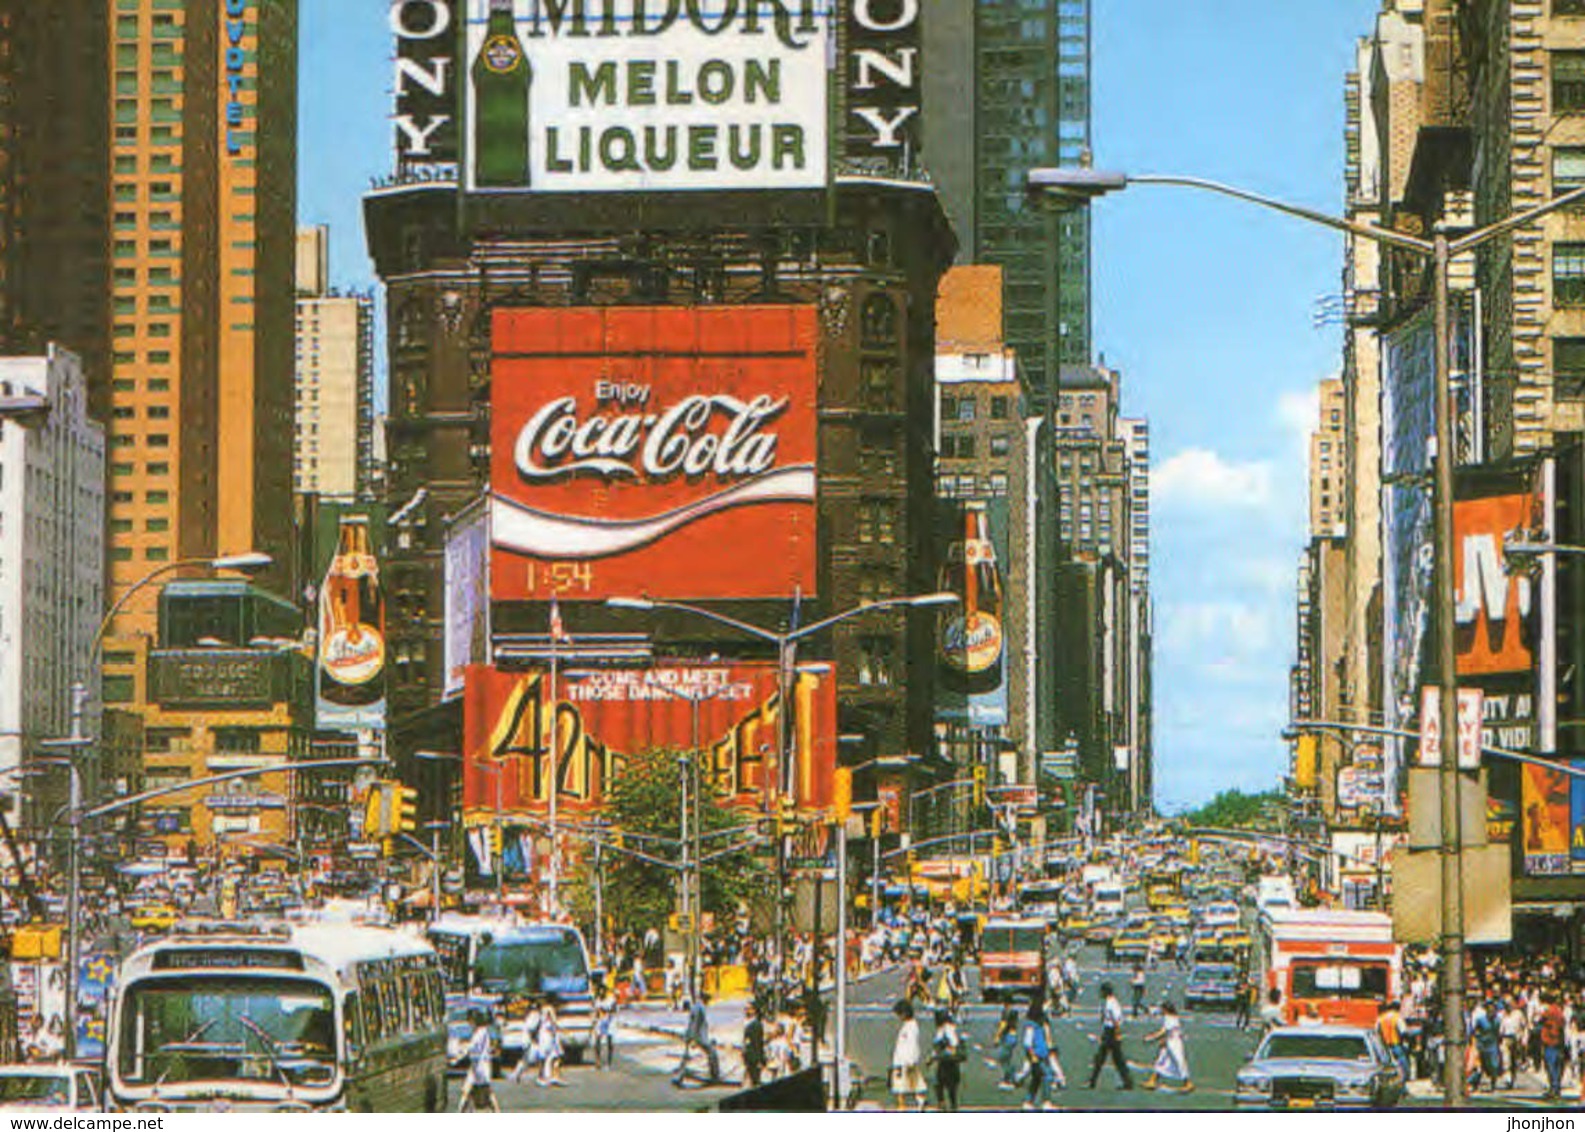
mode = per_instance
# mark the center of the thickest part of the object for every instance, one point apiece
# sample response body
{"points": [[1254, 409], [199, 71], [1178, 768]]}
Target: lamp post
{"points": [[1076, 185], [487, 768], [786, 644]]}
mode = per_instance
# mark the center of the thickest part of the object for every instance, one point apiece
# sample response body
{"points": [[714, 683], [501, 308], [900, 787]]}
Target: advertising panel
{"points": [[425, 84], [1545, 819], [971, 639], [467, 639], [1576, 833], [884, 86], [662, 451], [1493, 607], [351, 668], [567, 96], [601, 716]]}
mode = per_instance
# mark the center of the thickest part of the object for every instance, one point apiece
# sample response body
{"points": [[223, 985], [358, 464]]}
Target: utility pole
{"points": [[840, 1055], [74, 883]]}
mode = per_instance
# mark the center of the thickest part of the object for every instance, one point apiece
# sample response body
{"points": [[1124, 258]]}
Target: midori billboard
{"points": [[658, 451], [646, 95]]}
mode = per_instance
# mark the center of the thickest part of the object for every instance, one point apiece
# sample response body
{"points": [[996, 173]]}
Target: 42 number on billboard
{"points": [[559, 578]]}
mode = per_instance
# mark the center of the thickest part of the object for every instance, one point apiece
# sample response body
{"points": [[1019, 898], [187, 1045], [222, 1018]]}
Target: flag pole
{"points": [[553, 905]]}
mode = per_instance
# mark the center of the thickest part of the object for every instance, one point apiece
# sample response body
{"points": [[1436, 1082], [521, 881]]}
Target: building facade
{"points": [[51, 563], [204, 175], [332, 451]]}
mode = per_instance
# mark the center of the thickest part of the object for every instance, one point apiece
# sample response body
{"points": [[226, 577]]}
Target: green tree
{"points": [[644, 805], [1233, 809]]}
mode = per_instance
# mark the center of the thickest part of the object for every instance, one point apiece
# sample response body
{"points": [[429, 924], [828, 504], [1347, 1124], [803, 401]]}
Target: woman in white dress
{"points": [[550, 1049], [1172, 1062], [907, 1079]]}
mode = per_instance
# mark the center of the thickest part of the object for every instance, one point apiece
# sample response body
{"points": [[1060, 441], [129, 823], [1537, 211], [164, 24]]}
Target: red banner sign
{"points": [[1495, 603], [659, 451], [604, 715]]}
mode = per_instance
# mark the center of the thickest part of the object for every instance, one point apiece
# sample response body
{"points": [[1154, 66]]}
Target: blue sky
{"points": [[1204, 304]]}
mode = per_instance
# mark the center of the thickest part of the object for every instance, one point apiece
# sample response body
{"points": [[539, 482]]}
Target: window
{"points": [[1568, 275], [156, 553], [876, 523], [998, 483], [965, 409], [998, 408], [1568, 366], [116, 689], [1568, 7], [876, 659], [878, 321], [1000, 445], [1568, 82]]}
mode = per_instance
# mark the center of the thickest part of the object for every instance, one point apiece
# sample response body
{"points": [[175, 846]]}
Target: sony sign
{"points": [[884, 92], [426, 33]]}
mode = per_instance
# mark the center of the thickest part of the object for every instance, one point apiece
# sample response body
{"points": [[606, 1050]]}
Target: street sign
{"points": [[363, 850], [1471, 709]]}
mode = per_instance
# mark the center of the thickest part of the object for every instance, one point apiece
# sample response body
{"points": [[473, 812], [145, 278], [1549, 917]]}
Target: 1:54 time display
{"points": [[559, 578]]}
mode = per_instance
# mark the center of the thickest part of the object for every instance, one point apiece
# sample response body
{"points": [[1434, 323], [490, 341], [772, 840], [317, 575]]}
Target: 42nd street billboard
{"points": [[628, 95]]}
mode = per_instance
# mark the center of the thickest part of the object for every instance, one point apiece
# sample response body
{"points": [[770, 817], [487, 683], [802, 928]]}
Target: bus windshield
{"points": [[999, 939], [535, 962], [222, 1028]]}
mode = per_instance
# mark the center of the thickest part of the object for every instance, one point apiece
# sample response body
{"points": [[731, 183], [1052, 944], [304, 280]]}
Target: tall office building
{"points": [[51, 554], [1009, 91], [54, 190], [332, 451], [204, 201]]}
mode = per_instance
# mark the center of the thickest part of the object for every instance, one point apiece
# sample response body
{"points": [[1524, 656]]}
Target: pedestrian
{"points": [[604, 1027], [1389, 1027], [479, 1094], [549, 1046], [638, 986], [1486, 1048], [523, 1034], [1137, 982], [947, 1051], [907, 1082], [1007, 1049], [1036, 1043], [1271, 1012], [1172, 1061], [1111, 1039], [753, 1045], [1512, 1030], [1551, 1031], [697, 1033], [1244, 1000]]}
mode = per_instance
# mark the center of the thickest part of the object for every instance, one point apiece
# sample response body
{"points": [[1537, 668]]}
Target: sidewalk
{"points": [[1529, 1085]]}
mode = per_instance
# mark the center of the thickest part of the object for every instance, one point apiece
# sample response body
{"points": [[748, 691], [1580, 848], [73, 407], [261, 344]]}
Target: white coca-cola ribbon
{"points": [[517, 527]]}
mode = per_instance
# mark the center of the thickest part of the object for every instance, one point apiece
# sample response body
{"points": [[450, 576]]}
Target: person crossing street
{"points": [[1111, 1039]]}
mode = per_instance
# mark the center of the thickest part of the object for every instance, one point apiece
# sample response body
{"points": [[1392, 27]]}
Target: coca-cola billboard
{"points": [[662, 451], [604, 715]]}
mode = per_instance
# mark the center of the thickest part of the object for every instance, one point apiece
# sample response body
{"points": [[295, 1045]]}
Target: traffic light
{"points": [[979, 787], [786, 816], [405, 808], [495, 845], [842, 794], [377, 811], [1306, 763], [998, 846], [877, 822]]}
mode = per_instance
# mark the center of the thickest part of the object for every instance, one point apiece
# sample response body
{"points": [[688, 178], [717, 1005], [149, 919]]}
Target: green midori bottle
{"points": [[501, 80]]}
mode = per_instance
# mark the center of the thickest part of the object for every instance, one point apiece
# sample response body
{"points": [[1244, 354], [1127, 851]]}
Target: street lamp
{"points": [[786, 655], [488, 768], [1078, 185]]}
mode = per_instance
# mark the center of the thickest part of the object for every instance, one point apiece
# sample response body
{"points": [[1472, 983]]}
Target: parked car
{"points": [[1320, 1067], [1212, 986], [60, 1087]]}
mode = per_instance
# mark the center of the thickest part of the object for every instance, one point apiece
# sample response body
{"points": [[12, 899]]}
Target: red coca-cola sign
{"points": [[602, 716], [659, 451]]}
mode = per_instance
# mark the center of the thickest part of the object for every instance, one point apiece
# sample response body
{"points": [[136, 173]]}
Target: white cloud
{"points": [[1299, 413], [1198, 477], [1217, 630]]}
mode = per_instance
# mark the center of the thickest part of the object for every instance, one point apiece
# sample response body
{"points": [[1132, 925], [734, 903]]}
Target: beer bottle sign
{"points": [[351, 633], [501, 77], [971, 633]]}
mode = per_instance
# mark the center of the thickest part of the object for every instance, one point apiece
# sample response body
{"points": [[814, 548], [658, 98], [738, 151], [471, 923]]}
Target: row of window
{"points": [[965, 408], [960, 446], [969, 487]]}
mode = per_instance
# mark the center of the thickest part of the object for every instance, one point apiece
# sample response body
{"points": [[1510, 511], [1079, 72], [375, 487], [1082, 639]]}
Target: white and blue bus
{"points": [[502, 964], [277, 1017]]}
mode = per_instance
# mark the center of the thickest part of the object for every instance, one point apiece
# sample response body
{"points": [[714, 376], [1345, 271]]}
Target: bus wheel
{"points": [[435, 1096], [574, 1055]]}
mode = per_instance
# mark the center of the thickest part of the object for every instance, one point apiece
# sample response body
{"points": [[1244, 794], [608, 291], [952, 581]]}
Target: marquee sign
{"points": [[668, 452], [629, 95], [603, 716]]}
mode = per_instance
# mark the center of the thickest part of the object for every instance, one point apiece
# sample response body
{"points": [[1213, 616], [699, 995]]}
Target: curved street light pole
{"points": [[1076, 185], [786, 660]]}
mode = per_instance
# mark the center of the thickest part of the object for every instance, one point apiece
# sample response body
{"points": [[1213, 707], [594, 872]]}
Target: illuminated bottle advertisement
{"points": [[971, 637], [352, 632], [502, 76]]}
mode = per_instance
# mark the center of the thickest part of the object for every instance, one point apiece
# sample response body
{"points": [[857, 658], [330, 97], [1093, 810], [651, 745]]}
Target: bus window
{"points": [[351, 1024], [373, 1023]]}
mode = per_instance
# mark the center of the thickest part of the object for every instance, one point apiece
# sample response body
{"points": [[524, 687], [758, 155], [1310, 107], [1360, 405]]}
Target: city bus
{"points": [[1042, 899], [503, 963], [1012, 958], [278, 1018], [1343, 964]]}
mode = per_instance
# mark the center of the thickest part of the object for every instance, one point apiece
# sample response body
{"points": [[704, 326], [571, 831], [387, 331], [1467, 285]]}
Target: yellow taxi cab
{"points": [[1074, 925], [1233, 940], [154, 917]]}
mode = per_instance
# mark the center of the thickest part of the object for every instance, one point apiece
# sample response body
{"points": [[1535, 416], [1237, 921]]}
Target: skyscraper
{"points": [[332, 450], [54, 190], [204, 202], [1009, 91]]}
